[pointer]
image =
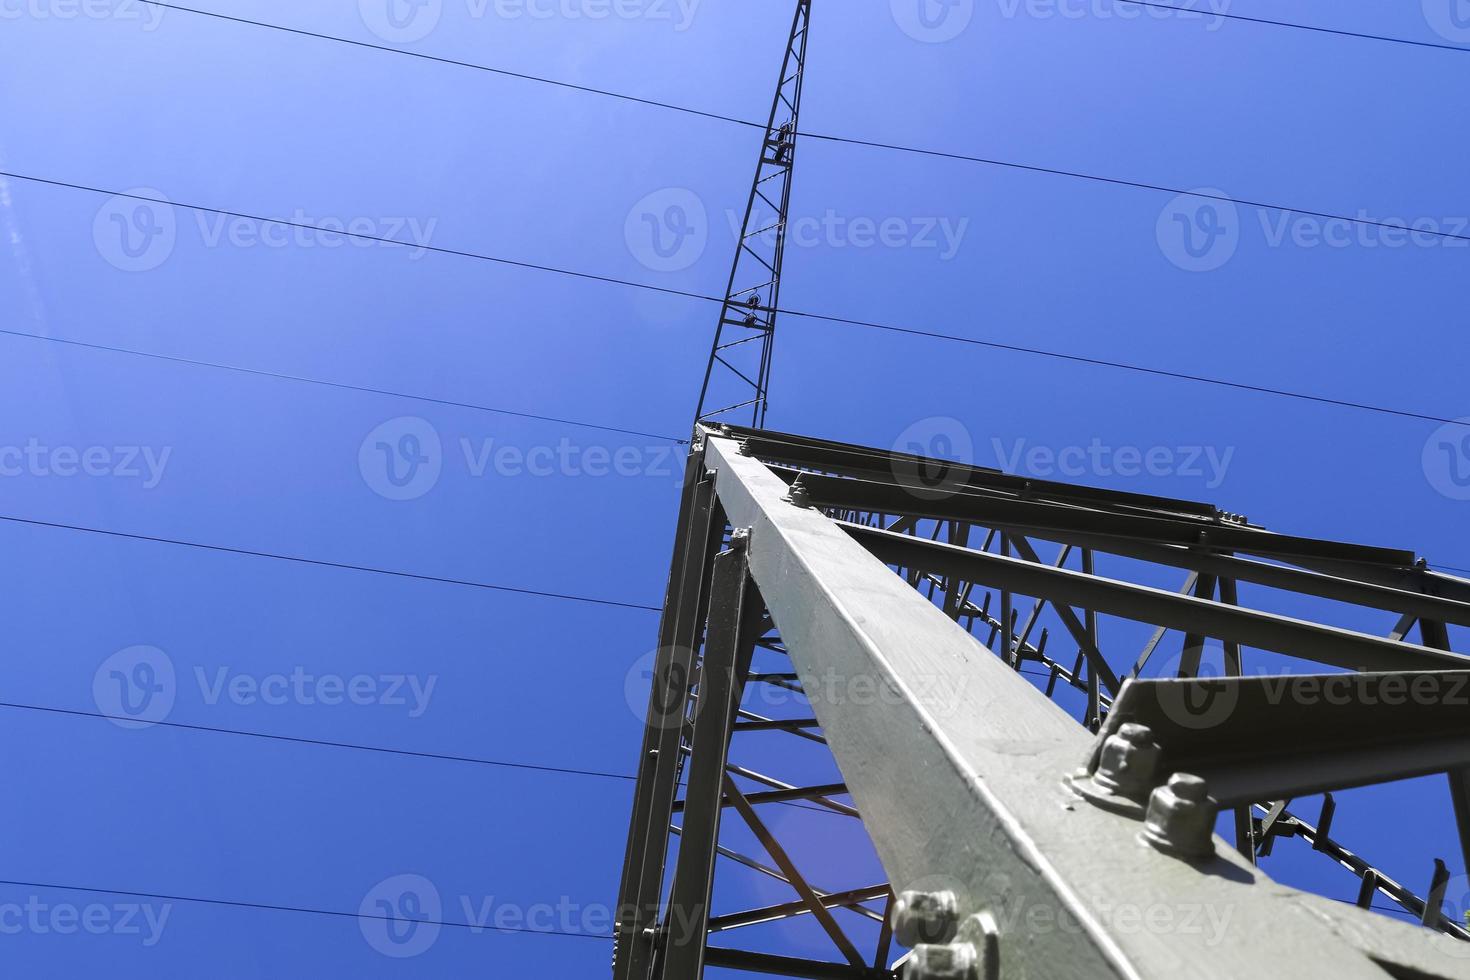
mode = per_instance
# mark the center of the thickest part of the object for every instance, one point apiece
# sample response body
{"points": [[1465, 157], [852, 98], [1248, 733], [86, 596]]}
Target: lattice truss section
{"points": [[737, 377], [925, 629]]}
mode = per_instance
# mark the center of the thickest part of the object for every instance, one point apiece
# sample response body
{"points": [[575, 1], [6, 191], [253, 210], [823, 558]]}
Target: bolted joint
{"points": [[1127, 771], [921, 918], [799, 496], [975, 956], [1181, 818], [955, 961]]}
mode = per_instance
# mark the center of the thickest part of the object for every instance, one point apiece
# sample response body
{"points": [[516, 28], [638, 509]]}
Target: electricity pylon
{"points": [[1018, 842], [739, 369]]}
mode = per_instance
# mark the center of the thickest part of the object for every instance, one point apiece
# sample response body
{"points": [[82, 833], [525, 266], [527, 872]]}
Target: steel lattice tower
{"points": [[739, 369], [1013, 841], [1017, 842]]}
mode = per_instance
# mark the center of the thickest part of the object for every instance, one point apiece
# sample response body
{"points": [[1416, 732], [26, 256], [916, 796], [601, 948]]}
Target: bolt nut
{"points": [[799, 496], [975, 956], [1129, 762], [956, 961], [921, 918], [1127, 771], [1181, 818]]}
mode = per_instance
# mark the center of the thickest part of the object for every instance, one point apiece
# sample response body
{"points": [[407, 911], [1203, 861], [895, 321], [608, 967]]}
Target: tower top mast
{"points": [[738, 374]]}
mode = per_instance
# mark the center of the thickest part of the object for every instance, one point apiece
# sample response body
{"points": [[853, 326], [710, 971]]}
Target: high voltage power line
{"points": [[341, 566], [1359, 35], [873, 144], [265, 907], [687, 294], [324, 743], [341, 385]]}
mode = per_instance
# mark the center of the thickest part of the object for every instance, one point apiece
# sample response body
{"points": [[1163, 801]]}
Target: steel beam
{"points": [[1281, 634], [734, 614], [659, 760], [1270, 738], [965, 784]]}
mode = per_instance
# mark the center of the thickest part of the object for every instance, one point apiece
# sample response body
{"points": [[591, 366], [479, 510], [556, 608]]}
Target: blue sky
{"points": [[203, 111]]}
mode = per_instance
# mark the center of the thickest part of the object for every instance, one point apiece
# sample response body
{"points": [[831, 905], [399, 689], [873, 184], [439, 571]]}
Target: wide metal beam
{"points": [[961, 779], [1281, 634], [1275, 738], [991, 510]]}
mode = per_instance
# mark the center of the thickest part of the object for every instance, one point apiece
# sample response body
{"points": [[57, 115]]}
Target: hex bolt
{"points": [[1181, 818], [975, 956], [799, 496], [1127, 771], [1129, 762], [925, 918], [955, 961]]}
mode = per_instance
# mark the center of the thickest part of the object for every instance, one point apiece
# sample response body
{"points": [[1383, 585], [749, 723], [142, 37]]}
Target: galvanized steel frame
{"points": [[822, 544]]}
